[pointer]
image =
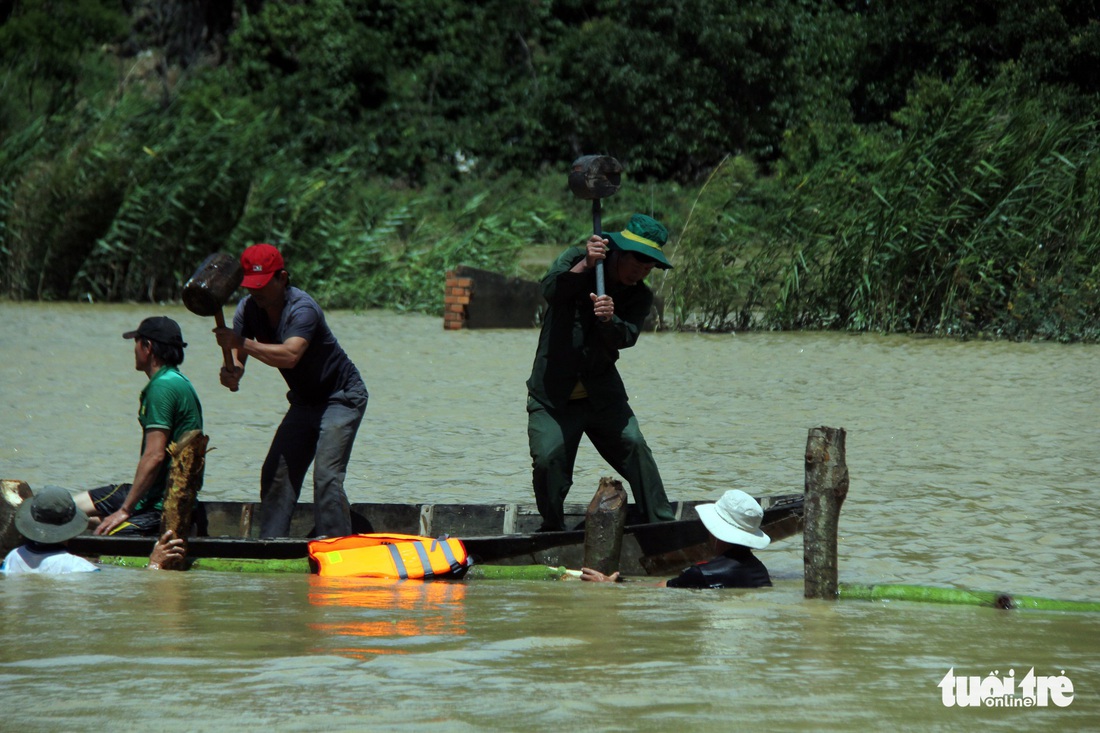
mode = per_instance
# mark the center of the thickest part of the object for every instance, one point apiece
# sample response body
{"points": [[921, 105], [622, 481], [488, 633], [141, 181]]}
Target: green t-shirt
{"points": [[168, 402]]}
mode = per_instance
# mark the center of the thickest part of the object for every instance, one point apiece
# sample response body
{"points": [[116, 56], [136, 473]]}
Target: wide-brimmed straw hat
{"points": [[50, 517], [735, 518]]}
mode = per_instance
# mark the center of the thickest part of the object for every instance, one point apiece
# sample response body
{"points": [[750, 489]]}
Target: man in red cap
{"points": [[283, 327]]}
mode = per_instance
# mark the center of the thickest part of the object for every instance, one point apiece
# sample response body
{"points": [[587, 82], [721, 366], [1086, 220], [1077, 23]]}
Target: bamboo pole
{"points": [[959, 596], [847, 591], [184, 481], [603, 527], [517, 572], [826, 489]]}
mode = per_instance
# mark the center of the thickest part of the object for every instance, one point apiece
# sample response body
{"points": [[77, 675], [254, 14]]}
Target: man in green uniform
{"points": [[575, 388], [169, 407]]}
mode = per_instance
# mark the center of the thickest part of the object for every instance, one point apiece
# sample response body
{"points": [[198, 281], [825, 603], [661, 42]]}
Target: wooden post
{"points": [[826, 489], [184, 482], [12, 494], [603, 527]]}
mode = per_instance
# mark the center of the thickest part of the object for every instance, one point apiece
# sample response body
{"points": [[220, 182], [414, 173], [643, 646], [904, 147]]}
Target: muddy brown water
{"points": [[973, 465]]}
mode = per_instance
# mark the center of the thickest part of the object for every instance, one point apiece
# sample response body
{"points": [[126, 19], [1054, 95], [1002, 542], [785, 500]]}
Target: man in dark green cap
{"points": [[575, 388]]}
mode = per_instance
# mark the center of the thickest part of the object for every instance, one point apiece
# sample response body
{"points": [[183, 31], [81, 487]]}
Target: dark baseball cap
{"points": [[158, 328]]}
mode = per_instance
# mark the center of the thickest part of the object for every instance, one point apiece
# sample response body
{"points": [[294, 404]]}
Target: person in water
{"points": [[47, 521], [734, 525]]}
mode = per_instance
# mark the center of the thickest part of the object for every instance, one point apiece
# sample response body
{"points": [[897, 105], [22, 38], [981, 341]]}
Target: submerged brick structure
{"points": [[482, 299], [455, 299]]}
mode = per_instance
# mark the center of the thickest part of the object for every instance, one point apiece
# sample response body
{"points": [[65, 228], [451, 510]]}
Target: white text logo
{"points": [[992, 691]]}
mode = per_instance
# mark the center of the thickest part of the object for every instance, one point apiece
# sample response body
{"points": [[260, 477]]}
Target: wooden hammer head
{"points": [[595, 177], [212, 284]]}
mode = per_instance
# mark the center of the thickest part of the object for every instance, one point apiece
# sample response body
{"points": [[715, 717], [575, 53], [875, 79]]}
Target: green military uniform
{"points": [[575, 389]]}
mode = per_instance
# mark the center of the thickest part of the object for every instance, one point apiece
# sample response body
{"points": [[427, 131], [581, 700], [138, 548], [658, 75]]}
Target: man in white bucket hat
{"points": [[734, 524]]}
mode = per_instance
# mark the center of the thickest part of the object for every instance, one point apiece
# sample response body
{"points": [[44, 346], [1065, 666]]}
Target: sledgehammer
{"points": [[595, 177], [209, 289]]}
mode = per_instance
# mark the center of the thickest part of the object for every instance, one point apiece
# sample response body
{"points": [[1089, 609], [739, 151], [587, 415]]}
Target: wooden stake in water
{"points": [[184, 482], [826, 489], [603, 527]]}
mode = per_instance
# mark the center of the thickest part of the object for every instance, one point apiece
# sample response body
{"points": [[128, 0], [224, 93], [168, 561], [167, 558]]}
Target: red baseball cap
{"points": [[260, 262]]}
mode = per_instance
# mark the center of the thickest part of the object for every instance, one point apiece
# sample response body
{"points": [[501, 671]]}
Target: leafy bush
{"points": [[972, 223]]}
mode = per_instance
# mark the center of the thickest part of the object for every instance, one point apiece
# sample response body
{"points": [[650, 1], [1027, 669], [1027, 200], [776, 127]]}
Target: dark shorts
{"points": [[108, 500]]}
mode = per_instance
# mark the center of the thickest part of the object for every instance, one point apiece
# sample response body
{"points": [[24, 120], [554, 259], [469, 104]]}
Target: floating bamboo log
{"points": [[603, 527], [846, 591], [301, 566], [826, 489], [929, 594], [184, 481], [517, 572], [298, 565]]}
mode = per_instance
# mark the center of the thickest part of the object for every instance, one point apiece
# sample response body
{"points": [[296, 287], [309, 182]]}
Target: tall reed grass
{"points": [[980, 219]]}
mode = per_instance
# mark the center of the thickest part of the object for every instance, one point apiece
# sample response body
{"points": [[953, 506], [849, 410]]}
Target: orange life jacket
{"points": [[388, 556]]}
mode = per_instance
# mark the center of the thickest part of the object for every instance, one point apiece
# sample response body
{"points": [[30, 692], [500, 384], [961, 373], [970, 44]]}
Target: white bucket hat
{"points": [[735, 518]]}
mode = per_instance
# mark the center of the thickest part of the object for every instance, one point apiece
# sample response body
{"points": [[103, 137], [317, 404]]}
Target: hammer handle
{"points": [[597, 229], [219, 319]]}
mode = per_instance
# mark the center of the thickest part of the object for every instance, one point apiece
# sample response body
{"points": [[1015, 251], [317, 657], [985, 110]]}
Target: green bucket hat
{"points": [[644, 235]]}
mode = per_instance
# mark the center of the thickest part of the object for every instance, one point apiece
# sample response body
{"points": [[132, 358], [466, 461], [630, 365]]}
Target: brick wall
{"points": [[455, 299]]}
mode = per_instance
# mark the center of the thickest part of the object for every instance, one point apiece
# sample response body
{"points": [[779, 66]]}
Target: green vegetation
{"points": [[930, 168], [975, 213], [299, 566]]}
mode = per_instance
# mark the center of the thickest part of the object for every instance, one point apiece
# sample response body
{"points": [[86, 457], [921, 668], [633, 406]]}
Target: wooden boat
{"points": [[502, 534]]}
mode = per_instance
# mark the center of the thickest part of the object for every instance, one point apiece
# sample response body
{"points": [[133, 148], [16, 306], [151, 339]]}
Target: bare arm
{"points": [[281, 356], [148, 468], [595, 576]]}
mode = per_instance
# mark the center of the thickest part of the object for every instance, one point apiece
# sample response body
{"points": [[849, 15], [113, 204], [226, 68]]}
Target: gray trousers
{"points": [[554, 436], [322, 435]]}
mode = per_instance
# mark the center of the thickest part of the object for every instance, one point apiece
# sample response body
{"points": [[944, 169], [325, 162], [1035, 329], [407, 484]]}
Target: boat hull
{"points": [[502, 534]]}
